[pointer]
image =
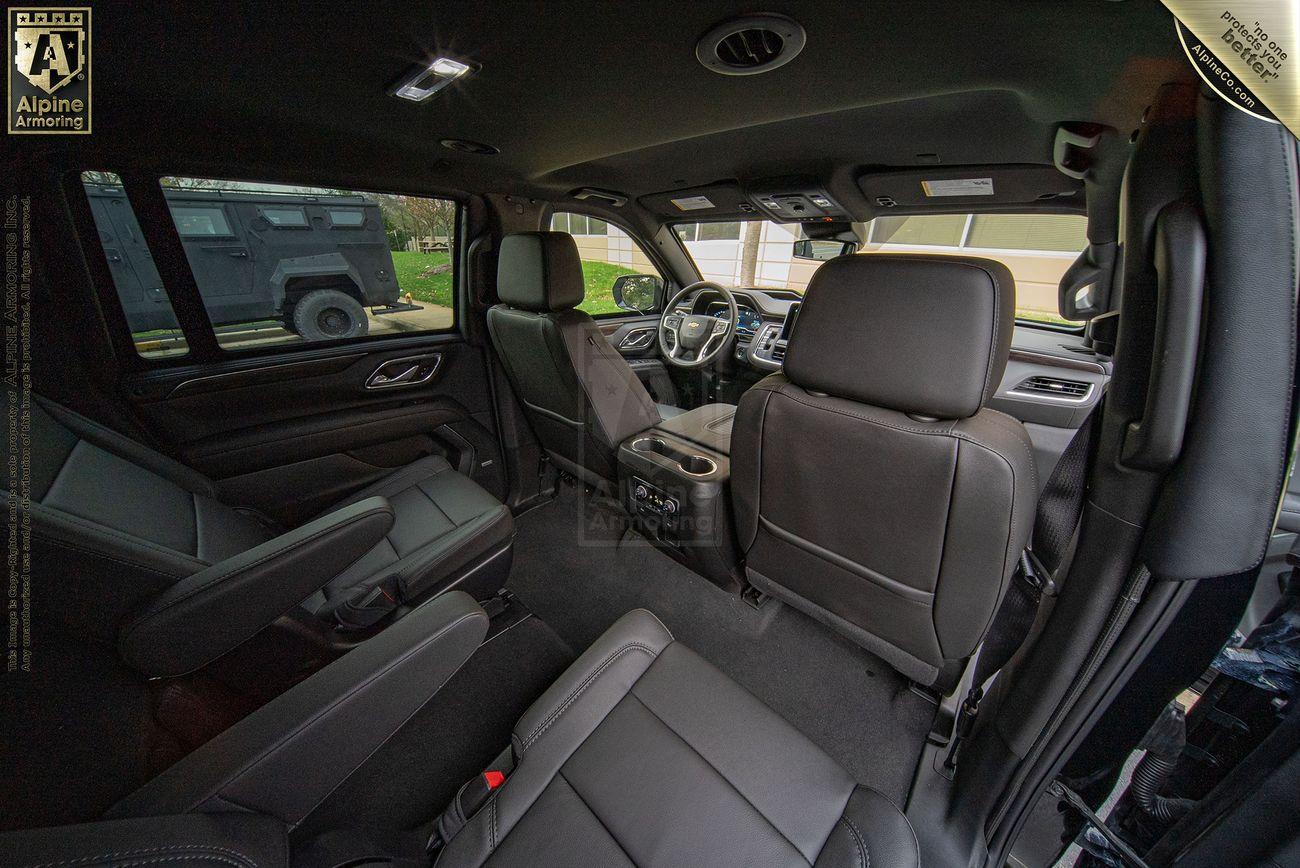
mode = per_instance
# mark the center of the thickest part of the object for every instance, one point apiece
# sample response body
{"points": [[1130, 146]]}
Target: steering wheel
{"points": [[694, 340]]}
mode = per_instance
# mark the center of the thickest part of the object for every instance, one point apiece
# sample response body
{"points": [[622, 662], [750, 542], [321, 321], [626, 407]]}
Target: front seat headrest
{"points": [[927, 335], [539, 271]]}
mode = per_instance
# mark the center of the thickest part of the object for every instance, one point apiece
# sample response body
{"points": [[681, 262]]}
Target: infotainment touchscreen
{"points": [[790, 317]]}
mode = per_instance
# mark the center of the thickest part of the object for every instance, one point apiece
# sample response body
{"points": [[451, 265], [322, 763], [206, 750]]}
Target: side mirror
{"points": [[639, 293], [820, 249]]}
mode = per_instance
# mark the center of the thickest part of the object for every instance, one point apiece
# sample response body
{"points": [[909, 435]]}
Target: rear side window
{"points": [[272, 271]]}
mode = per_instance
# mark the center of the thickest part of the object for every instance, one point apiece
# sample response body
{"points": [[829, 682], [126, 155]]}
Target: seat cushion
{"points": [[642, 753], [445, 523]]}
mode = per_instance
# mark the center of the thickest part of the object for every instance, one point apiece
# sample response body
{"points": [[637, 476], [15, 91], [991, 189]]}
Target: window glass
{"points": [[1037, 248], [942, 230], [347, 219], [139, 288], [262, 287], [1057, 232], [607, 253], [719, 231], [285, 217], [200, 221]]}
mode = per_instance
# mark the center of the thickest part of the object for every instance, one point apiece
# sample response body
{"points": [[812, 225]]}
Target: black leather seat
{"points": [[144, 551], [641, 753], [580, 395], [905, 536]]}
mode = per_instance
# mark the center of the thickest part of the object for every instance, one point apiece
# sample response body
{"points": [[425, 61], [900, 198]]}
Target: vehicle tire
{"points": [[329, 315]]}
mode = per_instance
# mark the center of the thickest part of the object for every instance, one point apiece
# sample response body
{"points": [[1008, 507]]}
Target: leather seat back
{"points": [[122, 522], [872, 489], [580, 395]]}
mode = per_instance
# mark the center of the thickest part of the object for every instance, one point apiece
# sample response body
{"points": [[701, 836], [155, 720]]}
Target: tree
{"points": [[749, 252], [434, 217]]}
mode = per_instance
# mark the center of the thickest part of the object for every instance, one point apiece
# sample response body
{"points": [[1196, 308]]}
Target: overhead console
{"points": [[794, 201]]}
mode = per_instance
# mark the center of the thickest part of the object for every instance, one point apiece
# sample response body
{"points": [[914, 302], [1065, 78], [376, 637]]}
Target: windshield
{"points": [[1037, 248]]}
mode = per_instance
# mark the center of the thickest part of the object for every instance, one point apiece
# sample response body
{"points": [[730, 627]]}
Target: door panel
{"points": [[629, 335], [290, 434]]}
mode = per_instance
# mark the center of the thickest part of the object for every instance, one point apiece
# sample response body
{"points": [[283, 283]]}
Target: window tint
{"points": [[941, 230], [1062, 232], [262, 286], [607, 253], [390, 273], [139, 288], [200, 221]]}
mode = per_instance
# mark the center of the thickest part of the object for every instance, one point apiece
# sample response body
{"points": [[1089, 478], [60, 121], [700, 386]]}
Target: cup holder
{"points": [[697, 465], [692, 465]]}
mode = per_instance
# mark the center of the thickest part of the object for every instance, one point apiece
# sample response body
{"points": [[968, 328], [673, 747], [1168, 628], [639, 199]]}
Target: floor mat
{"points": [[415, 774], [571, 570]]}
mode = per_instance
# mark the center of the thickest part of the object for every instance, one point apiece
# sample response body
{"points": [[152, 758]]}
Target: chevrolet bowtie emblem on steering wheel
{"points": [[692, 325]]}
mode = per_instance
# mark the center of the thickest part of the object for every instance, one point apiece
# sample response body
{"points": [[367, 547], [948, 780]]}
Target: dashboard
{"points": [[747, 319]]}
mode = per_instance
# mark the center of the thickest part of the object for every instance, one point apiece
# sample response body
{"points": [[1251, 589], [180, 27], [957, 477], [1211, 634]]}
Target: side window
{"points": [[282, 274], [608, 253], [282, 265], [148, 310]]}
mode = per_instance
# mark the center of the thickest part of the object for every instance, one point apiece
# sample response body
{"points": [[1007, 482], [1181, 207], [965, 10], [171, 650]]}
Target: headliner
{"points": [[610, 94]]}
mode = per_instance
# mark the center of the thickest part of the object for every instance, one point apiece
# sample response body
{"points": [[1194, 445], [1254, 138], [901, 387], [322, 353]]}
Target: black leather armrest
{"points": [[287, 756], [709, 426], [207, 614]]}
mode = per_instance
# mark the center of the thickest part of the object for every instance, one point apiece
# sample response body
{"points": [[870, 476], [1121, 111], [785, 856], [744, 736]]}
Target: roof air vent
{"points": [[751, 44]]}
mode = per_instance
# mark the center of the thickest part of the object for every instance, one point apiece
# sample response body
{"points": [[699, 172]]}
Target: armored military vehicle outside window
{"points": [[308, 263]]}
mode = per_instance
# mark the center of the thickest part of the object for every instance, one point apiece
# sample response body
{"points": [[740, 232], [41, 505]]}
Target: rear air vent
{"points": [[750, 45], [1054, 387], [746, 49]]}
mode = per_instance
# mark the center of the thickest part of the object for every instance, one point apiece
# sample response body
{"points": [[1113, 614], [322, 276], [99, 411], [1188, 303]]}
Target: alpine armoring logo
{"points": [[49, 70]]}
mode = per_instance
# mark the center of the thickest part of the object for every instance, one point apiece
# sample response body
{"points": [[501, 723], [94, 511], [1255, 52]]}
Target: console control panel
{"points": [[653, 499]]}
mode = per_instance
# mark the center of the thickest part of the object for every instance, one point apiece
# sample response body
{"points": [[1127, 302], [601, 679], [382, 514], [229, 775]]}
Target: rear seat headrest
{"points": [[921, 334], [539, 271]]}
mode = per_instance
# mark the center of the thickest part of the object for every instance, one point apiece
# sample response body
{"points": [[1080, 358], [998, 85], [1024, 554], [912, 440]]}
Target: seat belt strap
{"points": [[1060, 509]]}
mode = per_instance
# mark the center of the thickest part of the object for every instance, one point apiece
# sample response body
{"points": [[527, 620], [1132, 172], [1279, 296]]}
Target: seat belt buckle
{"points": [[472, 796], [1036, 574]]}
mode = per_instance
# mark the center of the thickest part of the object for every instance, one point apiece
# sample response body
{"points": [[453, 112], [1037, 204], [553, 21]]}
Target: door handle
{"points": [[406, 371], [238, 254]]}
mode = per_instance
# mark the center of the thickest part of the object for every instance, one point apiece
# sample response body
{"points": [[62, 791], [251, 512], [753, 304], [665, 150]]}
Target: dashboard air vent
{"points": [[778, 352], [1069, 390]]}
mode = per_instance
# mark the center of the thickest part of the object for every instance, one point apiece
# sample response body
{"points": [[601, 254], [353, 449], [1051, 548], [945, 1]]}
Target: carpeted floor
{"points": [[572, 572]]}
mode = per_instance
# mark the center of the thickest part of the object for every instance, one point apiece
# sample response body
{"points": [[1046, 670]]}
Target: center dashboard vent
{"points": [[1054, 387], [751, 44]]}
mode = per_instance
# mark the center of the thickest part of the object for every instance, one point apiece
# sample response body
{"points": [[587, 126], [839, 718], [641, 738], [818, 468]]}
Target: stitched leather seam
{"points": [[243, 570], [285, 738], [113, 534], [864, 858], [85, 551], [197, 849], [857, 837], [578, 691]]}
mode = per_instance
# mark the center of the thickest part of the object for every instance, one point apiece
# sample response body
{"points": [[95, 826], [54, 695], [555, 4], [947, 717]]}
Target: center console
{"points": [[673, 480]]}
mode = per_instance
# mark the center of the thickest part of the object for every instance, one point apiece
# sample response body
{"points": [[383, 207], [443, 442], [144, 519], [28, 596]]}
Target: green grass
{"points": [[435, 289], [1044, 316], [598, 279]]}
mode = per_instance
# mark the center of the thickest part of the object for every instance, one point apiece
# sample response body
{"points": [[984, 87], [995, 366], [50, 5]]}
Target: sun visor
{"points": [[721, 201], [953, 189]]}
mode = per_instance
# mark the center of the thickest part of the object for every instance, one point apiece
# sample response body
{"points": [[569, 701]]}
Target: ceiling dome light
{"points": [[431, 79], [751, 44]]}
